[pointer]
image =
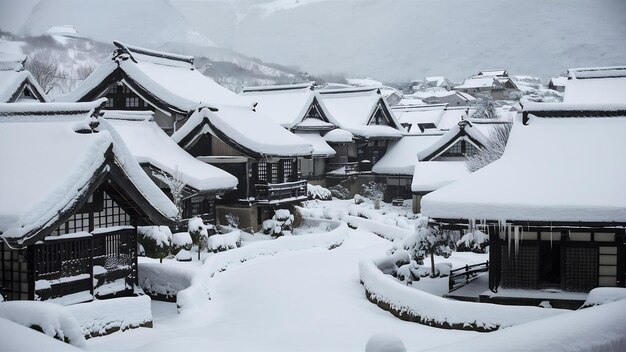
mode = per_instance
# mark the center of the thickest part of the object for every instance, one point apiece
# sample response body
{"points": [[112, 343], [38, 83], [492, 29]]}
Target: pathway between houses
{"points": [[296, 301]]}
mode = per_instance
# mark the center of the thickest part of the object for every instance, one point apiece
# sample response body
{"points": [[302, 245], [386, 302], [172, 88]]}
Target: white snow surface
{"points": [[16, 337], [149, 144], [564, 191], [401, 155], [431, 175], [249, 129], [595, 91], [162, 235], [320, 147], [338, 135], [53, 319], [11, 80], [602, 295], [384, 343], [451, 135]]}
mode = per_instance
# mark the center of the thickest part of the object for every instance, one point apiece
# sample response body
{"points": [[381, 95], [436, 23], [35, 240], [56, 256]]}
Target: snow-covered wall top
{"points": [[149, 144], [568, 169]]}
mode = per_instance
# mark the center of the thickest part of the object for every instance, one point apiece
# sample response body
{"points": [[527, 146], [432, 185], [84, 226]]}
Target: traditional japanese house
{"points": [[298, 108], [494, 83], [398, 163], [558, 83], [430, 83], [596, 85], [365, 114], [245, 141], [262, 154], [135, 78], [162, 159], [71, 198], [18, 85], [451, 98], [554, 205]]}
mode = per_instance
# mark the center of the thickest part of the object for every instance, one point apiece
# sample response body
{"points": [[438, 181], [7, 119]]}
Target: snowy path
{"points": [[298, 301]]}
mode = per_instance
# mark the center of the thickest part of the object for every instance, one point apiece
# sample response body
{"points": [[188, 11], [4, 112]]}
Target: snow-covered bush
{"points": [[181, 240], [358, 199], [199, 232], [221, 243], [384, 343], [374, 192], [156, 240], [475, 241], [52, 319], [318, 192], [390, 264], [340, 192], [427, 241], [280, 224], [232, 220], [602, 295], [498, 137]]}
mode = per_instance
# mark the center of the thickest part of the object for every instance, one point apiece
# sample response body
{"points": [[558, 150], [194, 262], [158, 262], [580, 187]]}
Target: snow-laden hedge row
{"points": [[104, 317], [414, 305], [198, 292], [163, 281]]}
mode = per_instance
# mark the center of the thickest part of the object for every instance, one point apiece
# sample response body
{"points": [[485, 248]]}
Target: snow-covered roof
{"points": [[431, 175], [51, 162], [14, 82], [168, 81], [401, 155], [320, 147], [286, 104], [463, 129], [611, 90], [560, 81], [452, 115], [352, 109], [497, 72], [252, 133], [150, 145], [414, 116], [338, 136], [12, 61], [581, 179], [66, 30], [597, 72], [478, 82]]}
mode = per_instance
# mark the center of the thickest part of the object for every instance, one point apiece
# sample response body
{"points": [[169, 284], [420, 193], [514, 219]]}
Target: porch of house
{"points": [[477, 290]]}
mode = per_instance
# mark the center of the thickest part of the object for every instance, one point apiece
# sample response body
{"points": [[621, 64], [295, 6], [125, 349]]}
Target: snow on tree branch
{"points": [[491, 152], [486, 109], [176, 184]]}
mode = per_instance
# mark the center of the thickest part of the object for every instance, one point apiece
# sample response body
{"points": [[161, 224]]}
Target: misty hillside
{"points": [[387, 39]]}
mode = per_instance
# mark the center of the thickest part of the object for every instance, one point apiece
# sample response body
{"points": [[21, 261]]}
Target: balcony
{"points": [[275, 193]]}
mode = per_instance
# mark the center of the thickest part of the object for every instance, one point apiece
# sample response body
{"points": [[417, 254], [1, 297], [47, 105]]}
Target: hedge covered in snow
{"points": [[163, 281], [414, 305]]}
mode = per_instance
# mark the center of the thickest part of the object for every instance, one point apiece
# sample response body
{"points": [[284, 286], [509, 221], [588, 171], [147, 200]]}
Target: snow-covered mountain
{"points": [[386, 39]]}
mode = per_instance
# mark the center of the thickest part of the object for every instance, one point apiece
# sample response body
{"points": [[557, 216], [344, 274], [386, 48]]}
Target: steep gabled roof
{"points": [[53, 161], [463, 129], [13, 84], [168, 81], [150, 145], [415, 119], [353, 109], [248, 132], [401, 155], [289, 105], [496, 72], [566, 190]]}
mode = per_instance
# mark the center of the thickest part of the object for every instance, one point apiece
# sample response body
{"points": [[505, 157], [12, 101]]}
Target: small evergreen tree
{"points": [[428, 241], [486, 109], [375, 192], [176, 184]]}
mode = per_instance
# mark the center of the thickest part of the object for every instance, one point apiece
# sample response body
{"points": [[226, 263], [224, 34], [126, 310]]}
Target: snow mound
{"points": [[220, 243], [51, 319], [385, 343], [163, 280], [16, 337], [603, 295], [318, 192]]}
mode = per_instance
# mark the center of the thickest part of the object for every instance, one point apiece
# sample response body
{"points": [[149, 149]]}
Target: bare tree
{"points": [[486, 109], [494, 149], [44, 71], [176, 184], [375, 192], [83, 71]]}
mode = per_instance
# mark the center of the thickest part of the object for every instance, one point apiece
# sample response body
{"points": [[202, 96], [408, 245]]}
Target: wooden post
{"points": [[495, 257], [620, 239]]}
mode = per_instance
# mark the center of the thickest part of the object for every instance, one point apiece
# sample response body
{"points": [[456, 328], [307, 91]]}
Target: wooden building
{"points": [[365, 114], [160, 156], [18, 85], [554, 205], [71, 198], [494, 83], [298, 108]]}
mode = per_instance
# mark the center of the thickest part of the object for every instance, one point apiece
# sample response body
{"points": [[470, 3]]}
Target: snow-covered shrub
{"points": [[199, 232], [475, 241], [156, 240], [181, 240], [486, 109], [384, 343], [280, 224], [339, 192], [183, 255], [232, 220], [52, 319], [602, 295], [390, 264], [221, 243], [318, 192], [498, 137], [358, 199], [375, 192], [427, 241]]}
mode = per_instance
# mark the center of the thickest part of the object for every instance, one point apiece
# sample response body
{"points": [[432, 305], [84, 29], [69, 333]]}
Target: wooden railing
{"points": [[65, 265], [463, 275], [277, 192]]}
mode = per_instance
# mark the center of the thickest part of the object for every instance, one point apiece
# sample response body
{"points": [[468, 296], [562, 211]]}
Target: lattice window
{"points": [[520, 270], [288, 170], [262, 172], [13, 274], [111, 215], [274, 177], [132, 102], [581, 268], [455, 150], [199, 205]]}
